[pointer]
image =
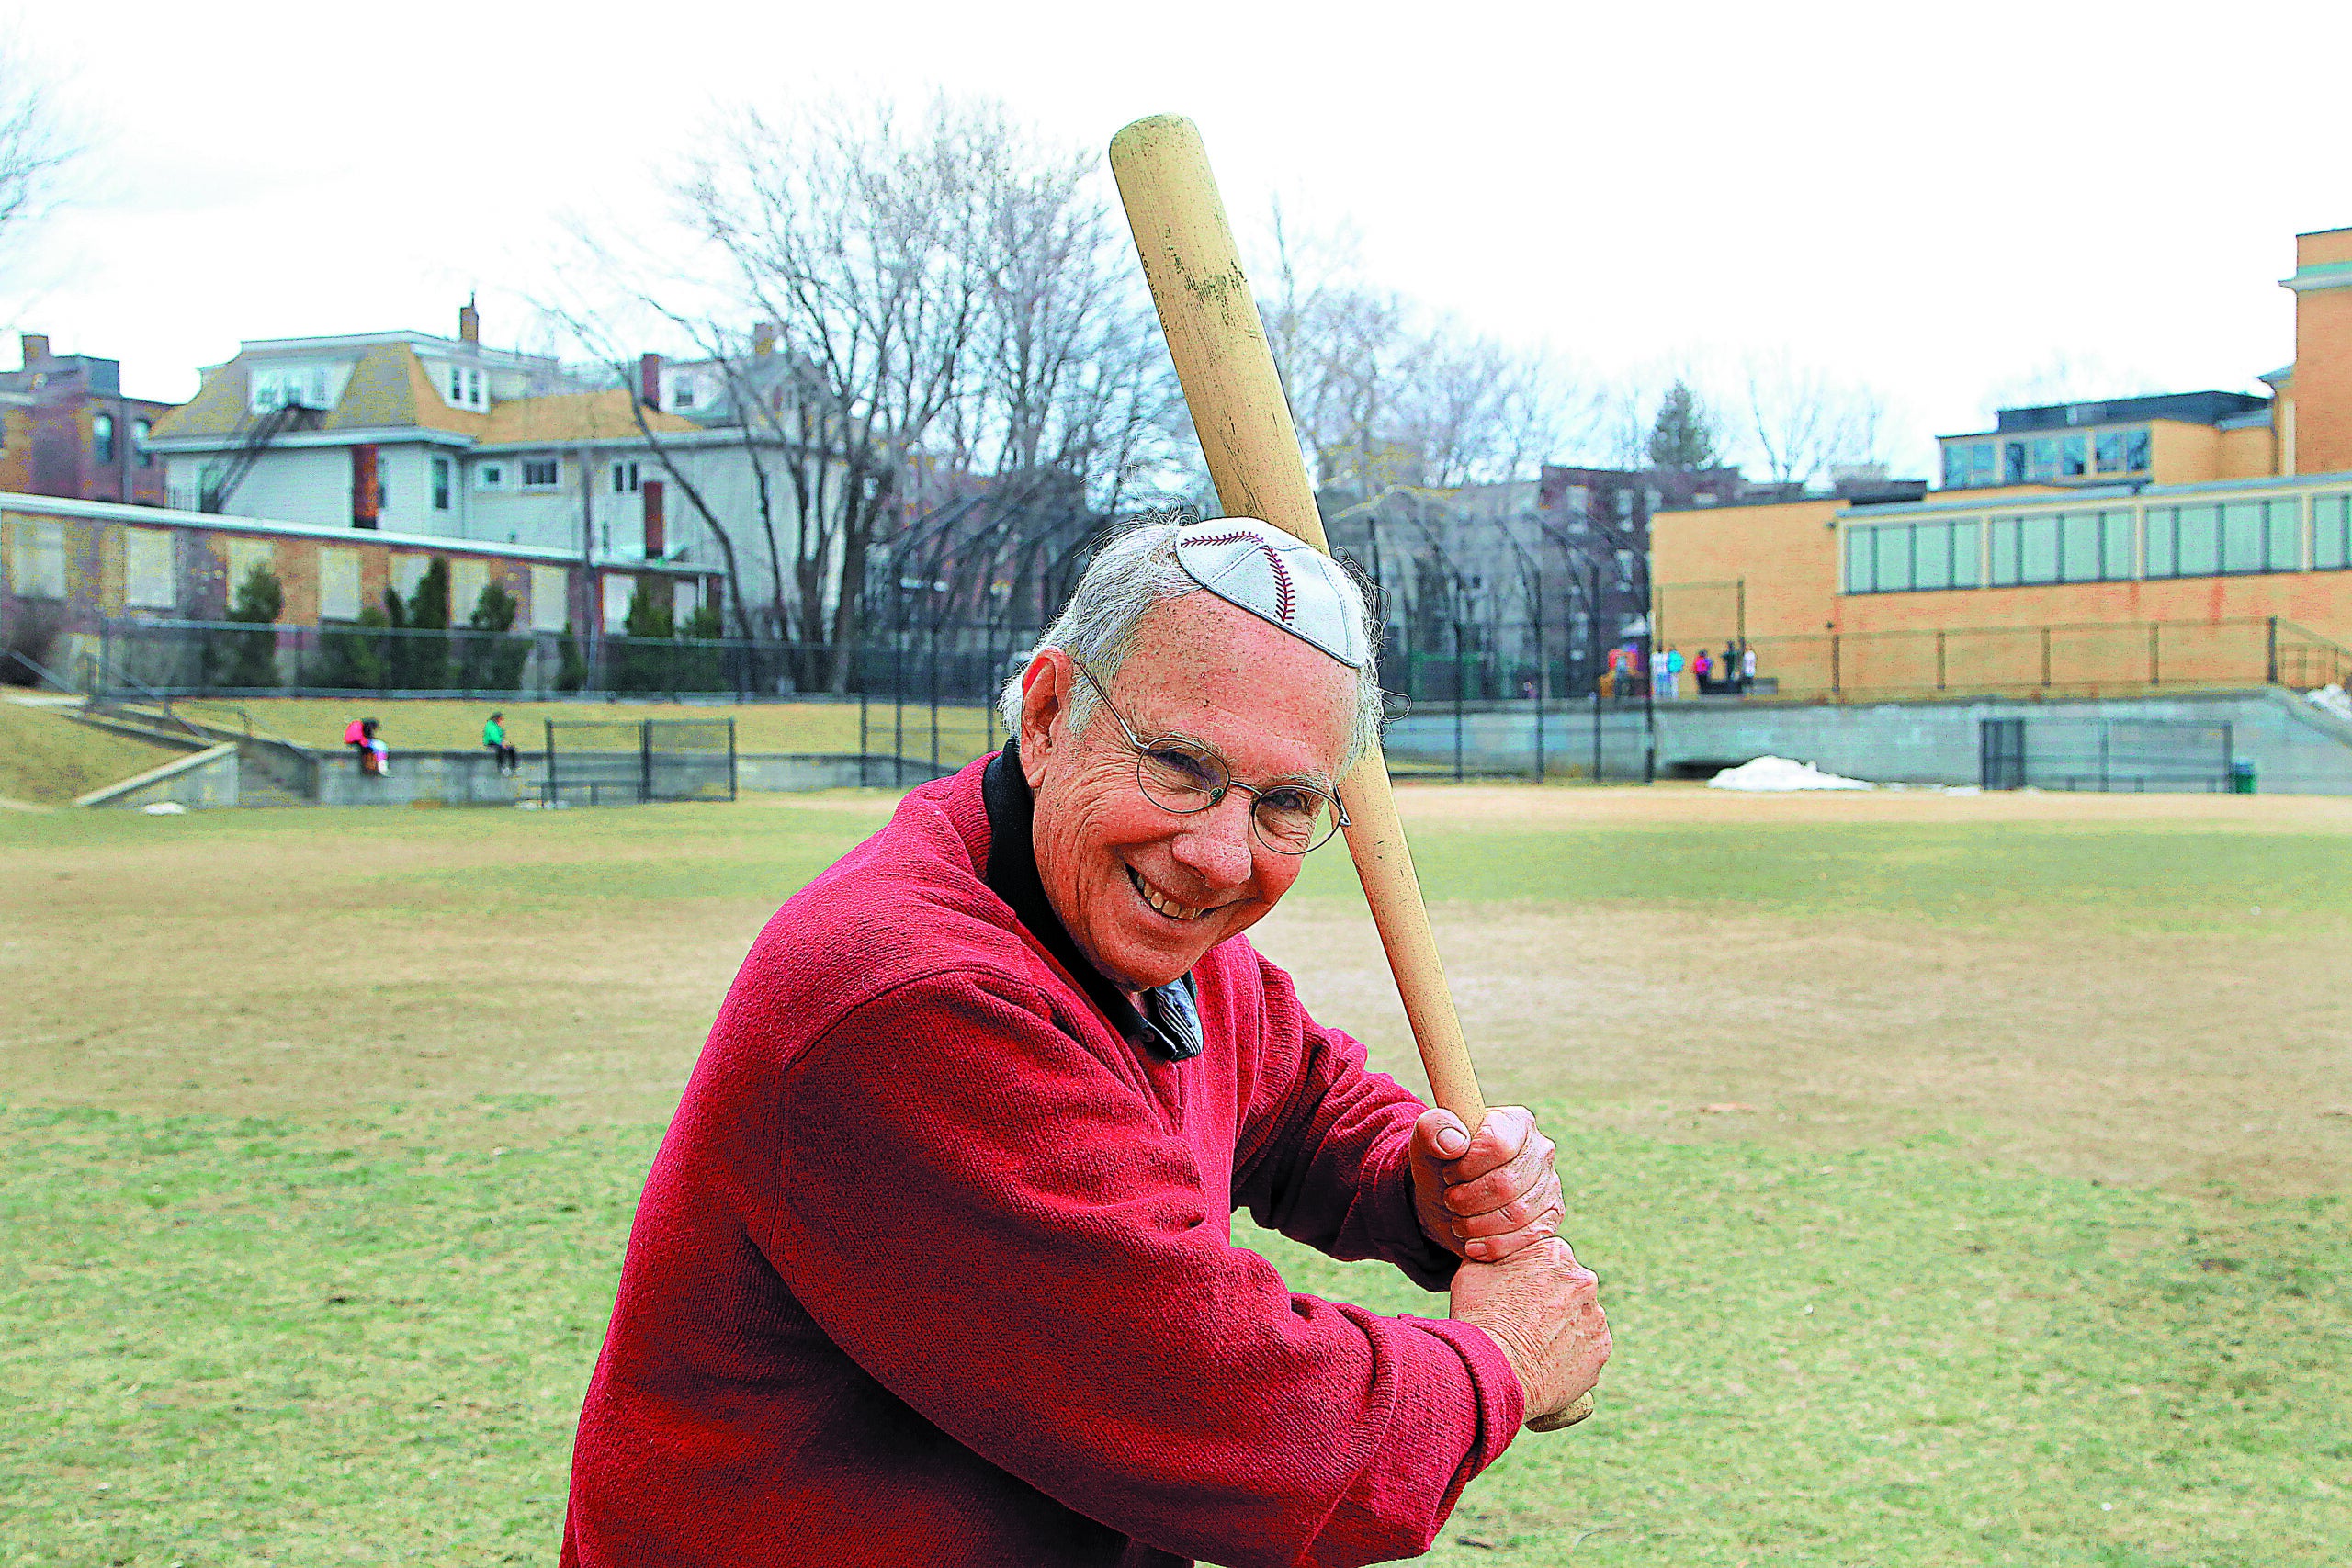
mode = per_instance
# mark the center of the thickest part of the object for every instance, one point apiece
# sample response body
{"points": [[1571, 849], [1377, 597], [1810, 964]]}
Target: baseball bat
{"points": [[1227, 373]]}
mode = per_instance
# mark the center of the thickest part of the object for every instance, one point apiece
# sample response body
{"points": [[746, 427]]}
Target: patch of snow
{"points": [[164, 808], [2331, 699], [1777, 774], [1964, 789]]}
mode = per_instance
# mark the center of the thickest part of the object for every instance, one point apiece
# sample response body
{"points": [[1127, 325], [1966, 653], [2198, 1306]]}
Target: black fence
{"points": [[611, 762], [2109, 755]]}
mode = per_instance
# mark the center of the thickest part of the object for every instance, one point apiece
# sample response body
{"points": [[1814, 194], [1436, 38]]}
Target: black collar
{"points": [[1172, 1029]]}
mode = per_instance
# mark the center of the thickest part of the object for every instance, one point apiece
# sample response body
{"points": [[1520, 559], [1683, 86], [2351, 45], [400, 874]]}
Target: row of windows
{"points": [[276, 386], [102, 439], [2209, 539], [2041, 459]]}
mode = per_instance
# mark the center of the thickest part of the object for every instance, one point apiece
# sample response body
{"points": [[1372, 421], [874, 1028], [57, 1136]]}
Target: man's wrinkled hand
{"points": [[1487, 1197]]}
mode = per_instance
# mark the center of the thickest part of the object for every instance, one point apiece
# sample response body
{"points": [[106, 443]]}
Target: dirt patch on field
{"points": [[2182, 1060], [1694, 804], [571, 966]]}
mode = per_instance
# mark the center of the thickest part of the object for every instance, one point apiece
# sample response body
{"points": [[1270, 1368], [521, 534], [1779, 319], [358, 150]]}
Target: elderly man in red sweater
{"points": [[936, 1264]]}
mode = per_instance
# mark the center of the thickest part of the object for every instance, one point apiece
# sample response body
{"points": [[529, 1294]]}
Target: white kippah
{"points": [[1278, 579]]}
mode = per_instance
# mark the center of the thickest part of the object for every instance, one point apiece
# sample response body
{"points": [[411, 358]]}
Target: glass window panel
{"points": [[2111, 451], [2038, 548], [2073, 456], [1967, 553], [2079, 546], [1931, 555], [1984, 463], [2164, 555], [1894, 556], [2285, 529], [2115, 556], [2135, 451], [2013, 462], [2242, 535], [1955, 466], [2199, 553], [2005, 552], [1858, 577], [2331, 532], [2045, 458]]}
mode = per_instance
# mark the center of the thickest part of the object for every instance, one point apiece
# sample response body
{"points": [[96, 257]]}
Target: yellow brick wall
{"points": [[2248, 454], [2183, 454], [1786, 555], [2323, 359]]}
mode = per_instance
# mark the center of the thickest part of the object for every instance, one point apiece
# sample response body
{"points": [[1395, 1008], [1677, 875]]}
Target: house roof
{"points": [[391, 389], [564, 417]]}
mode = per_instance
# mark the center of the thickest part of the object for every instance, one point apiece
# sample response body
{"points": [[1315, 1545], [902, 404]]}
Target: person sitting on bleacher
{"points": [[374, 757]]}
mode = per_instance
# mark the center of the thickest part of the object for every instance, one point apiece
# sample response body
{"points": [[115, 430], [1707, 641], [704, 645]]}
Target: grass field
{"points": [[48, 760], [425, 725], [1965, 1175]]}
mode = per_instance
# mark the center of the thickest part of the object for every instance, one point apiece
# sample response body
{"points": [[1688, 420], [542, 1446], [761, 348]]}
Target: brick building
{"points": [[66, 429], [2090, 547]]}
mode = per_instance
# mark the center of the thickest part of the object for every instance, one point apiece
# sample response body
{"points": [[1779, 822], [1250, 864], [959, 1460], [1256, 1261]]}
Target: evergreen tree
{"points": [[253, 656], [1684, 435]]}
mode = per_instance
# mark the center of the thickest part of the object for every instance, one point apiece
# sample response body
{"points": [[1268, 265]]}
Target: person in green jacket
{"points": [[493, 737]]}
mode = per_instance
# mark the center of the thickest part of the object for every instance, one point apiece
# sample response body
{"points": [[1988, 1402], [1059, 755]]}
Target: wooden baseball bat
{"points": [[1235, 397]]}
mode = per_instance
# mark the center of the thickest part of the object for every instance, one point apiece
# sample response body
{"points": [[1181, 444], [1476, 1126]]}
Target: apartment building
{"points": [[67, 429]]}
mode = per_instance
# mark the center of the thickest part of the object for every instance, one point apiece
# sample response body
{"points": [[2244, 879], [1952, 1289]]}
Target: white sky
{"points": [[1938, 200]]}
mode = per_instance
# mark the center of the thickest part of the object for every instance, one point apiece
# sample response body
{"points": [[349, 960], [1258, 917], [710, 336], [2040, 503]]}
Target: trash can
{"points": [[2242, 776]]}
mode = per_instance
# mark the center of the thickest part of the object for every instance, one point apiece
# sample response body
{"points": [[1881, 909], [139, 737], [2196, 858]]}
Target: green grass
{"points": [[364, 1336], [48, 759], [233, 1340]]}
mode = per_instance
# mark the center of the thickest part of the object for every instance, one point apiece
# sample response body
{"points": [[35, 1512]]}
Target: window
{"points": [[2004, 552], [2080, 542], [2162, 542], [2197, 549], [1892, 554], [2115, 552], [466, 388], [440, 484], [541, 473], [147, 581], [2073, 456], [37, 565], [2013, 462], [1967, 553], [139, 431], [2283, 536], [2045, 458], [1931, 556], [243, 556], [619, 588], [1983, 463], [1955, 466], [407, 572], [2135, 451], [467, 580], [2331, 533], [1861, 577], [2038, 548], [550, 601], [338, 584], [2111, 451], [624, 478], [102, 436], [489, 476], [683, 393]]}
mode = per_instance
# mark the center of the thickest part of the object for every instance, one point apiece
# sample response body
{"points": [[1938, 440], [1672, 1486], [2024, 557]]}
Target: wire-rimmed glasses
{"points": [[1184, 776]]}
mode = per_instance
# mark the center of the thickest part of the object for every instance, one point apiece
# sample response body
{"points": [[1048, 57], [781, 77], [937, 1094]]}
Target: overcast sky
{"points": [[1940, 201]]}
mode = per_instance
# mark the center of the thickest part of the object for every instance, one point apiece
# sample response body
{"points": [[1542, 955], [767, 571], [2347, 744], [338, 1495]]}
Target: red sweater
{"points": [[934, 1267]]}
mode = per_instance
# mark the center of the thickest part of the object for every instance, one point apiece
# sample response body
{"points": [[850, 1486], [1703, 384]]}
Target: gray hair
{"points": [[1131, 575]]}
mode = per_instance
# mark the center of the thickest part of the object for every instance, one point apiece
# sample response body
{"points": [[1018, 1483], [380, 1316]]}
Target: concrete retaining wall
{"points": [[201, 778], [2295, 747]]}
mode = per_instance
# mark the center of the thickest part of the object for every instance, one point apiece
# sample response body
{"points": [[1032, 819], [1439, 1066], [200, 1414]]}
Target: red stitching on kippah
{"points": [[1285, 597]]}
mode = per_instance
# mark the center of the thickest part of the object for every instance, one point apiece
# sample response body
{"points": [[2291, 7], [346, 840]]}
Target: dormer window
{"points": [[466, 389], [275, 386]]}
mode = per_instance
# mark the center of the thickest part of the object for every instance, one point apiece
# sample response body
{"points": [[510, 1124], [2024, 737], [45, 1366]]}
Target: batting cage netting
{"points": [[630, 762]]}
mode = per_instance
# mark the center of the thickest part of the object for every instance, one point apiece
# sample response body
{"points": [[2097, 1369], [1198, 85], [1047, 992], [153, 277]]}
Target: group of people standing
{"points": [[1731, 673]]}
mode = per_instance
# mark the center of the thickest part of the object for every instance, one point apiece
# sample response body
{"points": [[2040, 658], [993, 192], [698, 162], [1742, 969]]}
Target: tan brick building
{"points": [[2096, 546]]}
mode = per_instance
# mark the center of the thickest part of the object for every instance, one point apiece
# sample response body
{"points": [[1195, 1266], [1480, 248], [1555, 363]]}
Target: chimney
{"points": [[469, 321], [2315, 433], [648, 380], [35, 347], [763, 339]]}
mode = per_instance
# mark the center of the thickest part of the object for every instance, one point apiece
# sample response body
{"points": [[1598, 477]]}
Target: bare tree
{"points": [[1805, 421], [36, 147]]}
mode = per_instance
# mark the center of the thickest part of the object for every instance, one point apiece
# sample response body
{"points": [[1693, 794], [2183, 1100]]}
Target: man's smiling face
{"points": [[1145, 892]]}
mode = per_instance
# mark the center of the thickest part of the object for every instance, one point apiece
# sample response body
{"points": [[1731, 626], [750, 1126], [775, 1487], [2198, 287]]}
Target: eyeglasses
{"points": [[1184, 776]]}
